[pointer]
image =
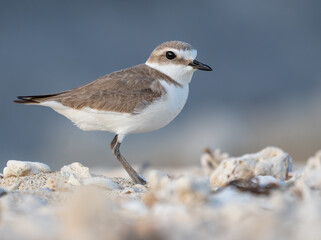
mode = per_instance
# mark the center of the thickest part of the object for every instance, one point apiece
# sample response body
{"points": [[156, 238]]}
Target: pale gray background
{"points": [[264, 90]]}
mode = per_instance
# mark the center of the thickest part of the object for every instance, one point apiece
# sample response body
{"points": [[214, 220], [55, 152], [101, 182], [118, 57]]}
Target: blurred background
{"points": [[265, 88]]}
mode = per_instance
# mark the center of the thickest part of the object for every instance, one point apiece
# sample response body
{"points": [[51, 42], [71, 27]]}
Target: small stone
{"points": [[77, 169], [17, 168], [101, 182]]}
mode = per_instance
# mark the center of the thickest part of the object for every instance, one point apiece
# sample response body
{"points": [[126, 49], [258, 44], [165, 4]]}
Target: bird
{"points": [[137, 99]]}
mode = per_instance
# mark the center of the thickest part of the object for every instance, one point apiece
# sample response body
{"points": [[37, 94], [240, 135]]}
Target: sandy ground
{"points": [[175, 204]]}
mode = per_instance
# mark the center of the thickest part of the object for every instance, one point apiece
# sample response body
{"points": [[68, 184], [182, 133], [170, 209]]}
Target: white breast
{"points": [[155, 116], [162, 112]]}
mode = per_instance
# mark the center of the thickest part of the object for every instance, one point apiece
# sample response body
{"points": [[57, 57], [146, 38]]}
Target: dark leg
{"points": [[114, 145]]}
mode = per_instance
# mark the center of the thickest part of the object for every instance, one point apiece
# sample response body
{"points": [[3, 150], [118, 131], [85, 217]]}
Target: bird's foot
{"points": [[139, 179]]}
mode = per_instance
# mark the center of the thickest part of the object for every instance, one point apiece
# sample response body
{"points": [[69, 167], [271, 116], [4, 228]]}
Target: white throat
{"points": [[180, 73]]}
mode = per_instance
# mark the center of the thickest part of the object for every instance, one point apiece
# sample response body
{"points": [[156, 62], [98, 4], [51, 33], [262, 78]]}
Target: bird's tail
{"points": [[34, 99]]}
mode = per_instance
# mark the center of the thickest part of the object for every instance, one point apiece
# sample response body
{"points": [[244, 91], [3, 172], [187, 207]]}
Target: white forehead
{"points": [[185, 54]]}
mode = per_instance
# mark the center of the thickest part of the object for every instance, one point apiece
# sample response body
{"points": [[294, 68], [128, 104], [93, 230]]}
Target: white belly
{"points": [[155, 116]]}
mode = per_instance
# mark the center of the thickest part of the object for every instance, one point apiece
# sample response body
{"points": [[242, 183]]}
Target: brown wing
{"points": [[129, 90]]}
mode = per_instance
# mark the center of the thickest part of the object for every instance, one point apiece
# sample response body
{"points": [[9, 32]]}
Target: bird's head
{"points": [[177, 60]]}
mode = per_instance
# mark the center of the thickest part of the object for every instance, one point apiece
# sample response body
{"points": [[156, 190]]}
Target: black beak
{"points": [[200, 66]]}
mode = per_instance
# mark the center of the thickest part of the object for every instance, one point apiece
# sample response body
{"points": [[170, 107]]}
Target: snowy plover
{"points": [[139, 99]]}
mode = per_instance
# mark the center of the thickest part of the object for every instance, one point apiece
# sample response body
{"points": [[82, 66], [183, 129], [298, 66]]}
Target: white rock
{"points": [[73, 180], [101, 182], [16, 168], [270, 161], [77, 169]]}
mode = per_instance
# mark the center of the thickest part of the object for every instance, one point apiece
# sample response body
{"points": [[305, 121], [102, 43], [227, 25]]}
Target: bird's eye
{"points": [[170, 55]]}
